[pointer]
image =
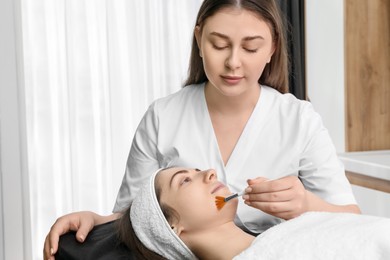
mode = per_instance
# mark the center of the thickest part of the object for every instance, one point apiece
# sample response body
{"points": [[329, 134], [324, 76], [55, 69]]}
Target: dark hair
{"points": [[275, 73], [128, 237]]}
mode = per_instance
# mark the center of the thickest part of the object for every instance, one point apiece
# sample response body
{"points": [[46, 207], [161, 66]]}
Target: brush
{"points": [[220, 201]]}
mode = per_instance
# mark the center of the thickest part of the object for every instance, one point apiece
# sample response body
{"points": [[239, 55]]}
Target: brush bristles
{"points": [[219, 202]]}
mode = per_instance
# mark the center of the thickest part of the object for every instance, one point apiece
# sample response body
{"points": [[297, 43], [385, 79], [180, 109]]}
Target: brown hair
{"points": [[127, 235], [275, 73]]}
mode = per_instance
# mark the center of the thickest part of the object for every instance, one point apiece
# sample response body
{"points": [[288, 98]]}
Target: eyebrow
{"points": [[175, 174], [248, 38]]}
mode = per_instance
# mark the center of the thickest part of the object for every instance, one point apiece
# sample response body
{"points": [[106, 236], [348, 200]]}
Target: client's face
{"points": [[192, 192]]}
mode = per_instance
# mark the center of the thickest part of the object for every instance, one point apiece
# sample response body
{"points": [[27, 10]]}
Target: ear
{"points": [[198, 37], [177, 229], [271, 53]]}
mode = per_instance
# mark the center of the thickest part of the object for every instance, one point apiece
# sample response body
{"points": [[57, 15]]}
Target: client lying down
{"points": [[174, 216]]}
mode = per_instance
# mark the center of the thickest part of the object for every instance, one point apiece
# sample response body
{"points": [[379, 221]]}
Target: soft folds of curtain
{"points": [[294, 14], [92, 67]]}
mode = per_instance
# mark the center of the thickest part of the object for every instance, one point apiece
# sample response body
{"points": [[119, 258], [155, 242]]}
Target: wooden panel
{"points": [[367, 74]]}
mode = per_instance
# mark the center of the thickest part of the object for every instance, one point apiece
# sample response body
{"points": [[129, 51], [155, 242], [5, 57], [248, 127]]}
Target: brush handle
{"points": [[241, 193], [291, 172], [238, 194], [235, 195]]}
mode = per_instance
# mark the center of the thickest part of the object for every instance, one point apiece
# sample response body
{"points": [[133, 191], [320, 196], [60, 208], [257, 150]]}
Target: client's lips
{"points": [[231, 77], [219, 186], [231, 80]]}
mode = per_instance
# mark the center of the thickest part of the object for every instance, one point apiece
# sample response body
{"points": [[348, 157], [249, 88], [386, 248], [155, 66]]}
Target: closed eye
{"points": [[251, 50], [185, 180], [219, 47]]}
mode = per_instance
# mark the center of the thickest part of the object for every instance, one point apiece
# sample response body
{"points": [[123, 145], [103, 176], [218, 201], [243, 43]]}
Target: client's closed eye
{"points": [[185, 180]]}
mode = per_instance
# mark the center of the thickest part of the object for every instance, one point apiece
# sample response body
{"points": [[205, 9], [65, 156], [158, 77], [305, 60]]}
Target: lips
{"points": [[218, 187], [231, 77], [231, 80]]}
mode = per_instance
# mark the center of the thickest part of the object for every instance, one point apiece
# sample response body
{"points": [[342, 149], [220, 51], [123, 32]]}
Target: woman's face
{"points": [[235, 46], [192, 192]]}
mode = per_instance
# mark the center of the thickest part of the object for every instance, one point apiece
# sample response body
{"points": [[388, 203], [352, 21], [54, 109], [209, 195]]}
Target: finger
{"points": [[275, 185], [60, 227], [256, 180], [53, 244], [83, 230], [277, 196], [47, 250]]}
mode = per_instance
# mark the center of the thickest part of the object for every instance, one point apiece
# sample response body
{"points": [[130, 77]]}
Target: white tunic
{"points": [[281, 134]]}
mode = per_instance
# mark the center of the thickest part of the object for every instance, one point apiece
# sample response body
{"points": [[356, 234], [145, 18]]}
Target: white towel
{"points": [[151, 227], [321, 235]]}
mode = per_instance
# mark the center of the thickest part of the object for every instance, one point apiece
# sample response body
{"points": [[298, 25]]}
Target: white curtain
{"points": [[92, 67]]}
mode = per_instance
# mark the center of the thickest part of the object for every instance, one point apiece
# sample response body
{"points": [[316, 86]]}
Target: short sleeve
{"points": [[327, 179]]}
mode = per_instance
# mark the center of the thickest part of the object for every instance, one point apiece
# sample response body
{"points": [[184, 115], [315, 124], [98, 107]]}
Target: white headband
{"points": [[152, 228]]}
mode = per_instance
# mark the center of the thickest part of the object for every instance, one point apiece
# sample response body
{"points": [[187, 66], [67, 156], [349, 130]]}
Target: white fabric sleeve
{"points": [[327, 179], [142, 159]]}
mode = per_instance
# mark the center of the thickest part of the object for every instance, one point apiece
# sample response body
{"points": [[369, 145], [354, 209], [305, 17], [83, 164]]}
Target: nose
{"points": [[233, 61], [210, 175]]}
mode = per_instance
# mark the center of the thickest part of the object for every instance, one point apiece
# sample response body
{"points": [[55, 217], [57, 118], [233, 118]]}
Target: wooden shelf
{"points": [[368, 182], [369, 169]]}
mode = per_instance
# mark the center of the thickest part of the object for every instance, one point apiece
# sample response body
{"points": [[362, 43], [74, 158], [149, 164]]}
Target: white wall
{"points": [[325, 64], [325, 84]]}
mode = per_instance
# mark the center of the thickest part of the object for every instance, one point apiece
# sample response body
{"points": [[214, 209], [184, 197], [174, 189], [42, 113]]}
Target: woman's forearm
{"points": [[104, 219], [315, 203]]}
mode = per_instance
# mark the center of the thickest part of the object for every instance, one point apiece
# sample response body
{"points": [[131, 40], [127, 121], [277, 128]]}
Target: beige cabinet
{"points": [[367, 74]]}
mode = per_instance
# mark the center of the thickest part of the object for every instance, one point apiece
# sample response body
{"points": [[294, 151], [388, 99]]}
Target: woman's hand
{"points": [[285, 198], [82, 222]]}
